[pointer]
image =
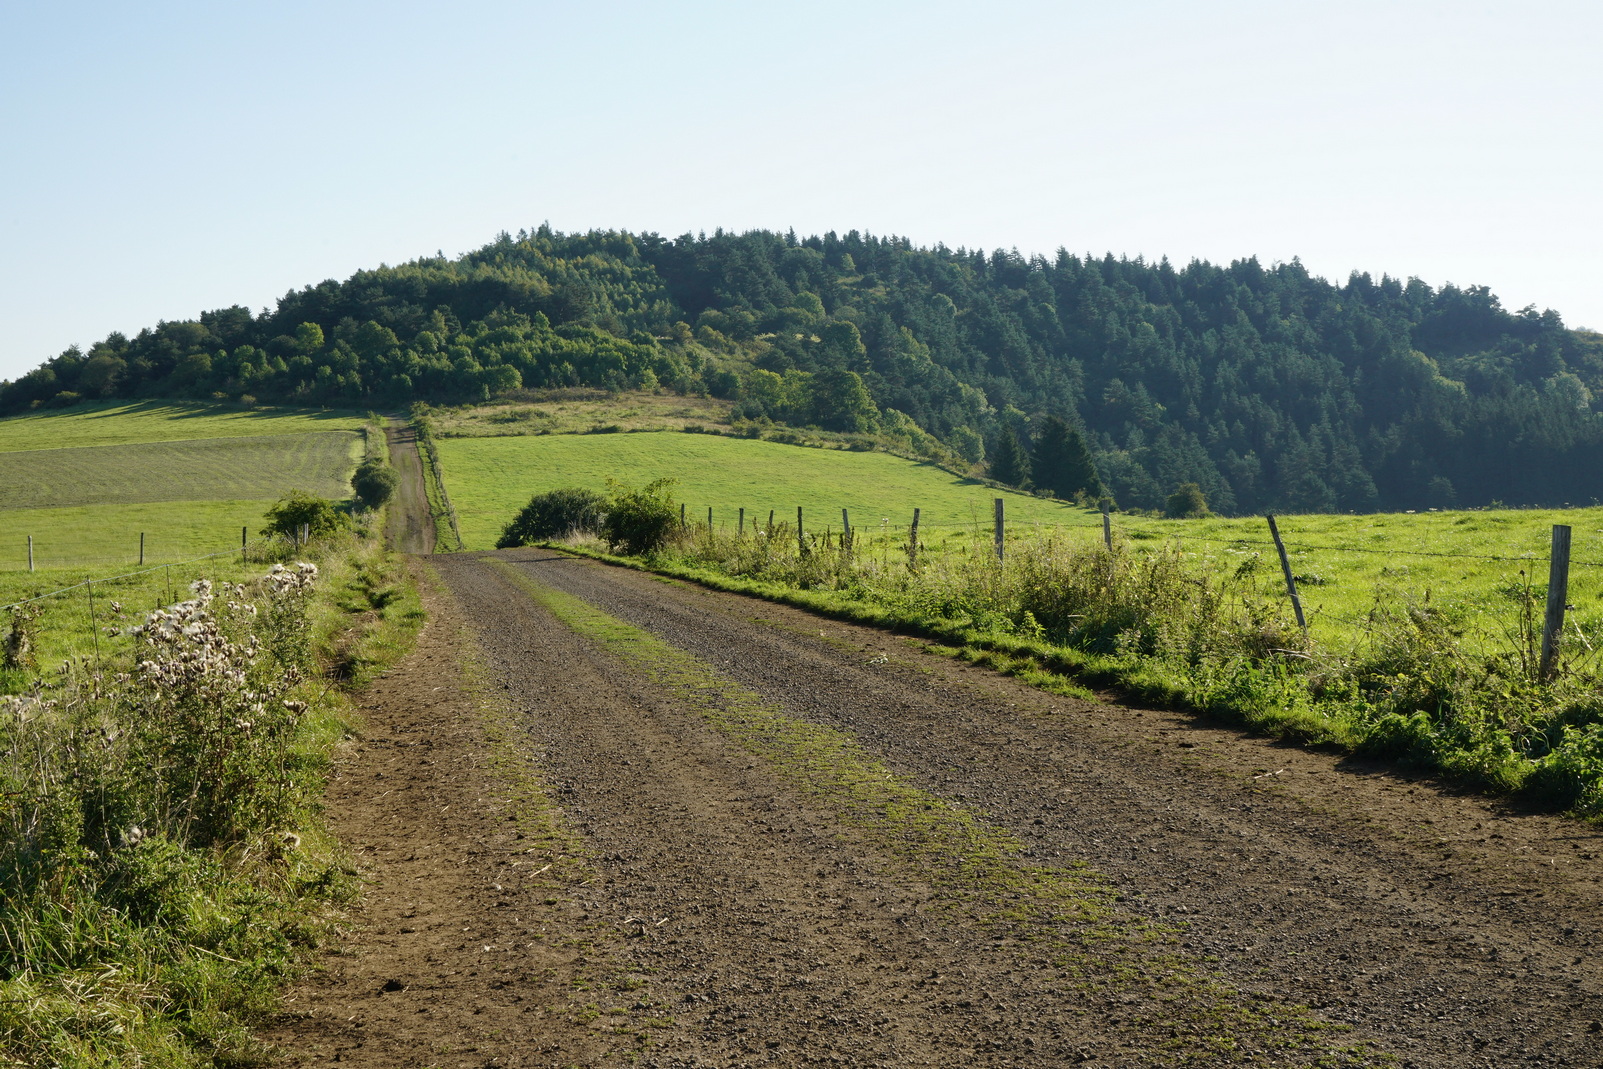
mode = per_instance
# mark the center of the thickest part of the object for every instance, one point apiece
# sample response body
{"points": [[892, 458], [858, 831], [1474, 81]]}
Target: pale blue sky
{"points": [[164, 158]]}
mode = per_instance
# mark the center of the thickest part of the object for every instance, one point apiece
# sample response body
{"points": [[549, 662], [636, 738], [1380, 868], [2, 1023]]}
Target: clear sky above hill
{"points": [[170, 157]]}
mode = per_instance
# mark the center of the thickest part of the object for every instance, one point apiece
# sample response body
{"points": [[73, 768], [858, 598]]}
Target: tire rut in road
{"points": [[1431, 928]]}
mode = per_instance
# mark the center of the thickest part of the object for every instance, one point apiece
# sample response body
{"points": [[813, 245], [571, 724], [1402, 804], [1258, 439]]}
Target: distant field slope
{"points": [[491, 478], [260, 468], [91, 486], [161, 421]]}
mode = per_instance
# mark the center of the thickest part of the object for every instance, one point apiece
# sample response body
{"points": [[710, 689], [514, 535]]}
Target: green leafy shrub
{"points": [[298, 509], [555, 514], [641, 521], [374, 482]]}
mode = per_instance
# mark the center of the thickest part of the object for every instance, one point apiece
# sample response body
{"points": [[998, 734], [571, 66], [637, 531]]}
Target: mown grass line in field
{"points": [[976, 872], [121, 423], [261, 468]]}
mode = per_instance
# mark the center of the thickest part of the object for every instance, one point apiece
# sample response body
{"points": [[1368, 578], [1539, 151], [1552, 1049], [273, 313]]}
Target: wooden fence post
{"points": [[845, 531], [912, 542], [681, 515], [244, 541], [1291, 583], [1558, 592], [94, 628], [30, 553], [741, 530], [1107, 529], [770, 523], [998, 528], [141, 549], [801, 543], [709, 521]]}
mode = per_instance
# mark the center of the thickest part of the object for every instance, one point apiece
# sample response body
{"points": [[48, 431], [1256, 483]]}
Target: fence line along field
{"points": [[86, 483]]}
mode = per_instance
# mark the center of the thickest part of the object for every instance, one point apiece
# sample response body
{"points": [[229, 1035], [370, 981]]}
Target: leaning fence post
{"points": [[1558, 592], [912, 542], [998, 528], [1291, 583], [1107, 529], [94, 629]]}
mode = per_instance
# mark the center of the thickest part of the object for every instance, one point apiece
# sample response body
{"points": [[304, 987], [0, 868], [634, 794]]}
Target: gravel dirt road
{"points": [[411, 525], [655, 823]]}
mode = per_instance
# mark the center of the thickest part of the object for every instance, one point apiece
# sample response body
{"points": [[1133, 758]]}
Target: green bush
{"points": [[299, 509], [641, 521], [1187, 502], [374, 482], [554, 514]]}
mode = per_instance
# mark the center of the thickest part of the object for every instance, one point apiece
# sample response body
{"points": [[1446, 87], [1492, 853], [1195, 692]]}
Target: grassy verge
{"points": [[976, 873], [163, 868], [1158, 630]]}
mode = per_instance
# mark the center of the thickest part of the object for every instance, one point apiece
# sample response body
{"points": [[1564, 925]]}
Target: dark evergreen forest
{"points": [[1266, 386]]}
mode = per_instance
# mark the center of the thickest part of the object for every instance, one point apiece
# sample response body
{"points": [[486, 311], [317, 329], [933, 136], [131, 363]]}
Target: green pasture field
{"points": [[121, 423], [108, 535], [490, 479]]}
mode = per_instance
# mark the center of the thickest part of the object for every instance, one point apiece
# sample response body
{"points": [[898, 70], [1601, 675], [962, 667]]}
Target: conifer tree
{"points": [[1062, 464], [1010, 464]]}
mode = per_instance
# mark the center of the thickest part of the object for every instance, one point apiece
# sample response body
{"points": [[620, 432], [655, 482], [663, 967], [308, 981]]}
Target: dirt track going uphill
{"points": [[692, 829]]}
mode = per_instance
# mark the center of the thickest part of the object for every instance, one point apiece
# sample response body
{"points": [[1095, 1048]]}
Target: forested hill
{"points": [[1268, 387]]}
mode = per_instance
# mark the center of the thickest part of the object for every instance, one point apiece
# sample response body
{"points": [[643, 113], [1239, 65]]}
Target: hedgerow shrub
{"points": [[641, 521], [298, 509], [374, 482], [555, 514]]}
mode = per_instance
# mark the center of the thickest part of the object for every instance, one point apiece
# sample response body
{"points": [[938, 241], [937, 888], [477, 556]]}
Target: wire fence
{"points": [[985, 528]]}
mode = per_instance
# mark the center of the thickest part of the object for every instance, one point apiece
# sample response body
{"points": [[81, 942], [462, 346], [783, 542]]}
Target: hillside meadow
{"points": [[489, 479], [1477, 566]]}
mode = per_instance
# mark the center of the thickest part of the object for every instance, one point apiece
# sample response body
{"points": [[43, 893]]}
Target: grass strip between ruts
{"points": [[976, 873]]}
